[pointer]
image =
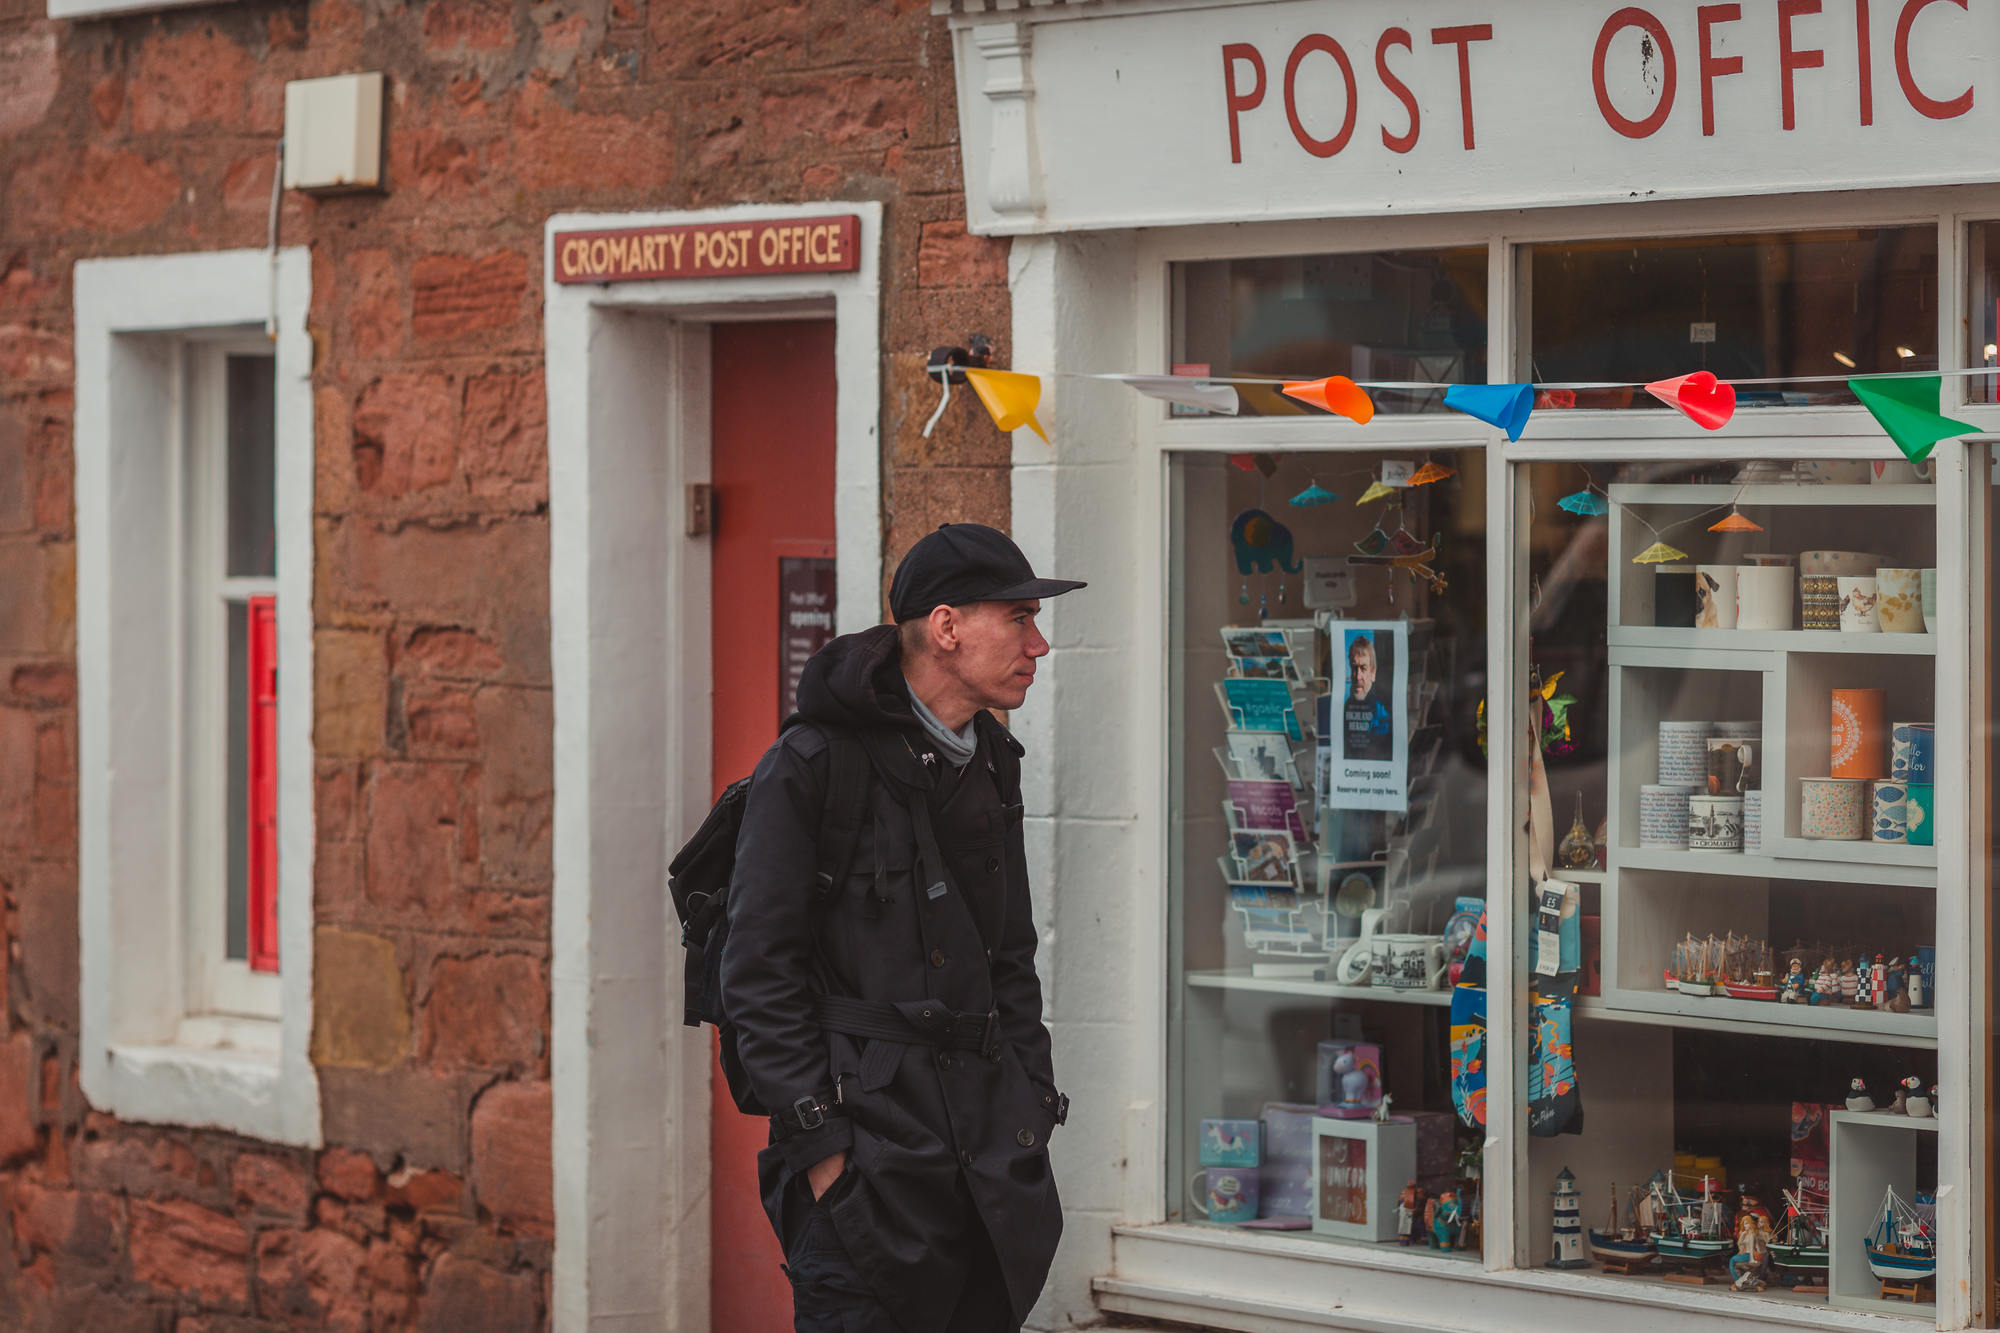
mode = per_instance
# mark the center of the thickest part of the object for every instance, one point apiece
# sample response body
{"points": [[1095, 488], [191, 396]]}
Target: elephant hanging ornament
{"points": [[1263, 546]]}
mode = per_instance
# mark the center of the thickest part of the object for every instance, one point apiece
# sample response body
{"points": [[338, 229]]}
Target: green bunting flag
{"points": [[1907, 408]]}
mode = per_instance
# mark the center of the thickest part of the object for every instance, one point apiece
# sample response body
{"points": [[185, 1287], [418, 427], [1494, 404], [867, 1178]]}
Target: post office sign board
{"points": [[729, 249]]}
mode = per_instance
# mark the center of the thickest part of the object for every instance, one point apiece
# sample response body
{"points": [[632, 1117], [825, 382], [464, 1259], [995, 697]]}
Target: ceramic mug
{"points": [[1920, 809], [1763, 597], [1899, 472], [1833, 471], [1890, 821], [1860, 598], [1225, 1193], [1673, 596], [1407, 962], [1913, 752], [1859, 739], [1834, 563], [1715, 823], [1753, 822], [1684, 754], [1900, 608], [1663, 816], [1927, 585], [1834, 809], [1769, 559], [1715, 596], [1741, 731], [1819, 601]]}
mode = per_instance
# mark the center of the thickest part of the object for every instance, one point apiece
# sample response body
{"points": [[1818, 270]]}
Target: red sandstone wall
{"points": [[430, 1208]]}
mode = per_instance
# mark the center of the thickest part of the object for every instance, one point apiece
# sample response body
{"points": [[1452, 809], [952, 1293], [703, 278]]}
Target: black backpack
{"points": [[698, 881]]}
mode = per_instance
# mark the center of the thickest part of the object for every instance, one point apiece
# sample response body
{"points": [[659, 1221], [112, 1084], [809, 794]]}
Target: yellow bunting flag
{"points": [[1010, 397]]}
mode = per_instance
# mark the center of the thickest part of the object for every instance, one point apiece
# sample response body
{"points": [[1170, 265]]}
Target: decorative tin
{"points": [[1663, 816], [1890, 821], [1835, 809], [1715, 823], [1913, 752], [1819, 601], [1860, 736], [1920, 807], [1684, 754]]}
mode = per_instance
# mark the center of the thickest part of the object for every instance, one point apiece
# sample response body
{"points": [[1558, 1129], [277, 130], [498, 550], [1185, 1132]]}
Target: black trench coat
{"points": [[940, 1141]]}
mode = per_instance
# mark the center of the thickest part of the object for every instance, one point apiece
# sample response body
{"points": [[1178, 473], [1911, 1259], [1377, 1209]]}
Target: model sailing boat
{"points": [[1626, 1247], [1800, 1245], [1901, 1248], [1691, 1230]]}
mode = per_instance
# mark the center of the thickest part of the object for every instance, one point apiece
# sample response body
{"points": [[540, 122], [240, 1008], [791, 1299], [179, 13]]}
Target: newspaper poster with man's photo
{"points": [[1364, 736]]}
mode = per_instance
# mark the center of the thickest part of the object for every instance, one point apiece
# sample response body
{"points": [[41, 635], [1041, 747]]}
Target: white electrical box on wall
{"points": [[333, 133]]}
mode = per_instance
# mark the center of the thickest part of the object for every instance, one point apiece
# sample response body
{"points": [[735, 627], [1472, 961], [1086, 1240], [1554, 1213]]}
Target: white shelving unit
{"points": [[1871, 1152], [1243, 981], [1651, 897]]}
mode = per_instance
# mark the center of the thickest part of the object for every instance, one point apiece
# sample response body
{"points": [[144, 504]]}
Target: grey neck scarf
{"points": [[957, 746]]}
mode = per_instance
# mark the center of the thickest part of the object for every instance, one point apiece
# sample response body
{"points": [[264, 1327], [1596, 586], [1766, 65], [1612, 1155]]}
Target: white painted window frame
{"points": [[93, 9], [1232, 1279], [148, 1054], [217, 986], [627, 367]]}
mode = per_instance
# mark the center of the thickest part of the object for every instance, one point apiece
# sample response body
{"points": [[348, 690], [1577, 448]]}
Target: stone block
{"points": [[117, 1159], [554, 147], [80, 1227], [361, 1010], [45, 965], [439, 720], [374, 303], [29, 354], [463, 1296], [26, 627], [348, 1174], [512, 1172], [517, 784], [29, 76], [488, 1012], [271, 1187], [456, 27], [351, 692], [425, 1191], [313, 1278], [182, 1247], [94, 189], [950, 256], [503, 437], [450, 653], [412, 837], [453, 295], [195, 77], [82, 1308], [863, 112], [405, 426], [411, 1113], [18, 744], [336, 793], [44, 684]]}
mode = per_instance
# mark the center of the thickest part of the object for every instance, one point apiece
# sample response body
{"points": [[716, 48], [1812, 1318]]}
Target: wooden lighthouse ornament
{"points": [[1568, 1224]]}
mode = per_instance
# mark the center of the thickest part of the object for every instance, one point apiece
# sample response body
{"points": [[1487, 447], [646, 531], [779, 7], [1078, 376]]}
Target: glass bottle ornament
{"points": [[1578, 849]]}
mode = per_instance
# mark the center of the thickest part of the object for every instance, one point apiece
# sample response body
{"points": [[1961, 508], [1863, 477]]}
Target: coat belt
{"points": [[912, 1022]]}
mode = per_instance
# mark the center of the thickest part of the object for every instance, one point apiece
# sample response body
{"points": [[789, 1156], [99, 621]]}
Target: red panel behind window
{"points": [[263, 784]]}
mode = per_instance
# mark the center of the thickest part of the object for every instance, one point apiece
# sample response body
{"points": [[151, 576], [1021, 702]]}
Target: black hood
{"points": [[856, 682]]}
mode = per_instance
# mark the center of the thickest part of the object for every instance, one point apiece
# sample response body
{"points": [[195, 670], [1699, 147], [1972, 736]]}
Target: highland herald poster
{"points": [[1364, 734]]}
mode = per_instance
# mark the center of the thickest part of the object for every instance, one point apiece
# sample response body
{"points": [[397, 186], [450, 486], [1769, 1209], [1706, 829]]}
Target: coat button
{"points": [[965, 1155], [946, 1060], [937, 957], [927, 1013], [1026, 1138], [992, 864], [995, 1057]]}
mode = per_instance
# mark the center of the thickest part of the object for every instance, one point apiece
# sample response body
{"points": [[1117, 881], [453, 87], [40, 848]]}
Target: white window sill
{"points": [[91, 9], [1274, 1283], [232, 1080]]}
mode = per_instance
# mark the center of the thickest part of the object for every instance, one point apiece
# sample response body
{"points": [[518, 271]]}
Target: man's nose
{"points": [[1037, 645]]}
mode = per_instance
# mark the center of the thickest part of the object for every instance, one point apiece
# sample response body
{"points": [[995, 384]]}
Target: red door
{"points": [[772, 468]]}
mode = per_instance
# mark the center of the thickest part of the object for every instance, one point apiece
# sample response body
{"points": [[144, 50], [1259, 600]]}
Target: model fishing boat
{"points": [[1901, 1248], [1800, 1245], [1692, 1231], [1626, 1247]]}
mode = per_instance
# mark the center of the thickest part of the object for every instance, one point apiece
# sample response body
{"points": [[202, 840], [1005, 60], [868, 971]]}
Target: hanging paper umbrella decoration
{"points": [[1907, 409], [1376, 491], [1659, 553], [1702, 398], [1431, 472], [1010, 398], [1586, 502], [1736, 522], [1504, 405], [1314, 494], [1337, 394]]}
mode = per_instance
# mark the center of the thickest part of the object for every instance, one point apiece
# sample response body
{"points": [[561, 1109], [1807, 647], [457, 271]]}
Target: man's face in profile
{"points": [[1361, 669]]}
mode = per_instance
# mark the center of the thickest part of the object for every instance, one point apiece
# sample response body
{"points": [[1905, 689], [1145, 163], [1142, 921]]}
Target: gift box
{"points": [[1227, 1142]]}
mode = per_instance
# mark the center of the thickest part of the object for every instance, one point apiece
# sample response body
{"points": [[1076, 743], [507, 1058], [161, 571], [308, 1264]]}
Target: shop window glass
{"points": [[1417, 316], [1828, 303], [1328, 850], [1982, 323], [1723, 992]]}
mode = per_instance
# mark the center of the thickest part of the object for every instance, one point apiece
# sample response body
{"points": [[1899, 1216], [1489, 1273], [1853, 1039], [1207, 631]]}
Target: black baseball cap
{"points": [[966, 562]]}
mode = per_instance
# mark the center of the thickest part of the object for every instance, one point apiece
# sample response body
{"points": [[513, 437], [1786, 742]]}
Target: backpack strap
{"points": [[847, 779]]}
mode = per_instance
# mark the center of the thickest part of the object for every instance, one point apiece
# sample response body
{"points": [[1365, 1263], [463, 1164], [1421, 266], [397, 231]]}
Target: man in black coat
{"points": [[896, 1018]]}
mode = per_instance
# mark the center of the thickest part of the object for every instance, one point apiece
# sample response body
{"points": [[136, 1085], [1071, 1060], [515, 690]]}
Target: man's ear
{"points": [[944, 629]]}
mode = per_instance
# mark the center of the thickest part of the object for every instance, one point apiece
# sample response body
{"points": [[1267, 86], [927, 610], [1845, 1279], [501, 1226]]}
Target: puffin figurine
{"points": [[1913, 1099], [1857, 1096]]}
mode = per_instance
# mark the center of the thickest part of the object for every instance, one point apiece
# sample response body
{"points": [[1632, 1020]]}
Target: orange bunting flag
{"points": [[1702, 398], [1337, 394], [1010, 397], [1431, 472], [1736, 522]]}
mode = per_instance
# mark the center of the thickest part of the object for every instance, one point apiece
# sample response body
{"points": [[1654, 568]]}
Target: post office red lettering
{"points": [[1790, 58], [1462, 37], [1319, 41], [1919, 101], [1397, 143], [1239, 102], [1661, 50], [1712, 65]]}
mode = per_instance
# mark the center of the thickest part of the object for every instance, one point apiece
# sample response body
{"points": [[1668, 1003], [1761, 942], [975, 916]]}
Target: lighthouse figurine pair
{"points": [[1568, 1224]]}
